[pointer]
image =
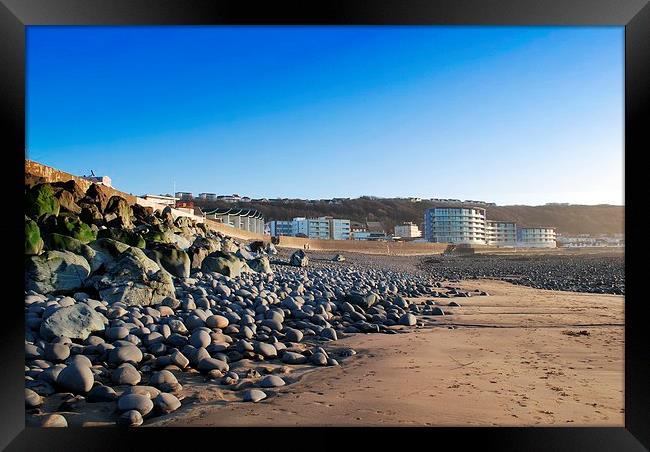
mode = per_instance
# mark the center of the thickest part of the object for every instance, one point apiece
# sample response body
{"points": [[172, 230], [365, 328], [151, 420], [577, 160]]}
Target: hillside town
{"points": [[455, 222]]}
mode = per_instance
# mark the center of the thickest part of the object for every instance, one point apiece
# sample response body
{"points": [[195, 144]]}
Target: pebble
{"points": [[166, 403], [76, 378], [32, 399], [407, 319], [126, 374], [53, 420], [271, 381], [125, 353], [253, 395], [208, 364], [101, 393], [130, 418], [139, 402]]}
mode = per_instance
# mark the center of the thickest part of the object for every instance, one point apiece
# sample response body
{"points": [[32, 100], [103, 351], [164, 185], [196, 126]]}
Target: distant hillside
{"points": [[601, 219]]}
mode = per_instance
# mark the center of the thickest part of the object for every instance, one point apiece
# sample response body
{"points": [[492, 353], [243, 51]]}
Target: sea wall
{"points": [[364, 246]]}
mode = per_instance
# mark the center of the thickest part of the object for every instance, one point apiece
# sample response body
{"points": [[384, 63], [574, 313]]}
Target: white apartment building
{"points": [[325, 228], [501, 233], [407, 230], [468, 225], [537, 237], [208, 196], [455, 225]]}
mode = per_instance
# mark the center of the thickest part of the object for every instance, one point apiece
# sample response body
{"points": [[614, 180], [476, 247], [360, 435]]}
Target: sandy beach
{"points": [[520, 357]]}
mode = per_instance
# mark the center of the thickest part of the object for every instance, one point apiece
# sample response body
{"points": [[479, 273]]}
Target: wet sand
{"points": [[515, 358]]}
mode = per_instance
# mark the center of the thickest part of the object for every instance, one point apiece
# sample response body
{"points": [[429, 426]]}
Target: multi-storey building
{"points": [[537, 237], [184, 195], [278, 228], [500, 233], [208, 196], [468, 225], [325, 228], [407, 230], [339, 229], [455, 225]]}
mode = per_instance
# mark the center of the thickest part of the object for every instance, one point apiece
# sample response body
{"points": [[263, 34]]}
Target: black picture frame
{"points": [[15, 15]]}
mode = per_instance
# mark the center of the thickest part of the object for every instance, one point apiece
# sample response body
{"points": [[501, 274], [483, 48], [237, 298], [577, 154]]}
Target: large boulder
{"points": [[201, 248], [180, 241], [67, 202], [40, 200], [159, 236], [74, 322], [90, 214], [170, 258], [122, 235], [61, 242], [166, 217], [106, 251], [183, 222], [118, 212], [73, 187], [260, 265], [197, 255], [72, 226], [361, 299], [222, 262], [33, 240], [299, 259], [134, 279], [98, 195], [56, 271]]}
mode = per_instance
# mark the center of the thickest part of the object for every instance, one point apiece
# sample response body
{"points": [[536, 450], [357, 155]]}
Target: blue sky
{"points": [[514, 115]]}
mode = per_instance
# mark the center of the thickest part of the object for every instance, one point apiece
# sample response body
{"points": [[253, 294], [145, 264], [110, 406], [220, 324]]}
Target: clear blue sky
{"points": [[514, 115]]}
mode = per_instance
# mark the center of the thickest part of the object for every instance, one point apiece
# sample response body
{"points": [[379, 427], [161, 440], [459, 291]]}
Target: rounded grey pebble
{"points": [[329, 333], [131, 418], [271, 381], [125, 353], [139, 402], [208, 364], [57, 352], [200, 338], [407, 319], [126, 374], [266, 350], [318, 359], [293, 358], [32, 399], [253, 395], [53, 420], [101, 393], [76, 378], [166, 403], [79, 359], [162, 377]]}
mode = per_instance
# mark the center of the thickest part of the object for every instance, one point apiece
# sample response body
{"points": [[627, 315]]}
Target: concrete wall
{"points": [[237, 233], [39, 173], [363, 246]]}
